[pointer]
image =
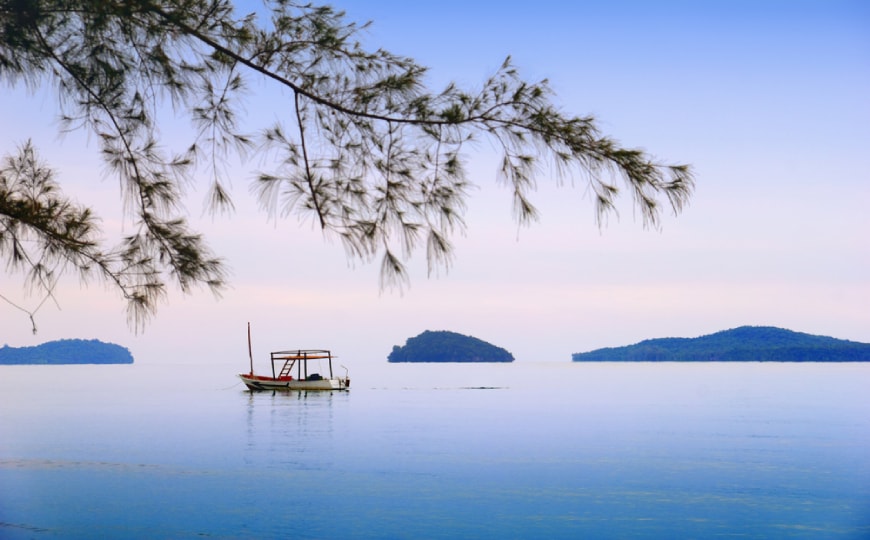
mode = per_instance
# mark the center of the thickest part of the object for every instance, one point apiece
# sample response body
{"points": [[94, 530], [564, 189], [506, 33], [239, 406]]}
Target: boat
{"points": [[291, 371]]}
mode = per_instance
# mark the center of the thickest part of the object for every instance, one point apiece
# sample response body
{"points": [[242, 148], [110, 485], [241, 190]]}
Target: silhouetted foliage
{"points": [[361, 146], [744, 344], [443, 346], [67, 351]]}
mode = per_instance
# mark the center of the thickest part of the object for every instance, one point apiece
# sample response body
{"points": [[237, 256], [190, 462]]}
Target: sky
{"points": [[767, 100]]}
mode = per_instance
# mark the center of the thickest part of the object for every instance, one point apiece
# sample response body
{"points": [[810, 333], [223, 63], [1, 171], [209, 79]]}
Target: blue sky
{"points": [[767, 101]]}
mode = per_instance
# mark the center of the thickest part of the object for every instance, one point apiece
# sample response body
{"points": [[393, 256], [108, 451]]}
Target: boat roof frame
{"points": [[302, 356]]}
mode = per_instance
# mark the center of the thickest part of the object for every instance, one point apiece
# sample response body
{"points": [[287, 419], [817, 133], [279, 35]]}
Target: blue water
{"points": [[524, 450]]}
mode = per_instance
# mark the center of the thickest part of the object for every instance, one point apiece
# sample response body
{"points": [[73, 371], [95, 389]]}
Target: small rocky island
{"points": [[443, 346], [66, 351], [743, 344]]}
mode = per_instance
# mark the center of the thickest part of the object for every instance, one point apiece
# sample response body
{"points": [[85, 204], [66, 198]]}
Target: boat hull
{"points": [[260, 382]]}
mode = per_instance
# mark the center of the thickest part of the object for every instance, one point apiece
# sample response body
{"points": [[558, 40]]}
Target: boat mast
{"points": [[250, 354]]}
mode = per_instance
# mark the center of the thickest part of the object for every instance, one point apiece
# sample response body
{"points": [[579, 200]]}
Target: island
{"points": [[444, 346], [743, 344], [66, 351]]}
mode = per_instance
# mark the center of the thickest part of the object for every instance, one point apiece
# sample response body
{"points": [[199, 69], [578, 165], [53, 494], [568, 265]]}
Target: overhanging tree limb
{"points": [[375, 156]]}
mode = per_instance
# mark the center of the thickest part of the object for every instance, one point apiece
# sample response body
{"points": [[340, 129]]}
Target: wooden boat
{"points": [[291, 371]]}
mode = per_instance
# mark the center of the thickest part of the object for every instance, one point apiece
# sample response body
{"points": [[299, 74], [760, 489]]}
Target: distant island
{"points": [[66, 351], [443, 346], [743, 344]]}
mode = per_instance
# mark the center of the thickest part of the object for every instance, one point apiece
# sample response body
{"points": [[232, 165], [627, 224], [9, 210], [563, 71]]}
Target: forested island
{"points": [[444, 346], [67, 351], [743, 344]]}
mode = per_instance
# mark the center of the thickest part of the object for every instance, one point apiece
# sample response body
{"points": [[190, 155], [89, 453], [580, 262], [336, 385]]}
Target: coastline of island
{"points": [[66, 352], [444, 346], [742, 344]]}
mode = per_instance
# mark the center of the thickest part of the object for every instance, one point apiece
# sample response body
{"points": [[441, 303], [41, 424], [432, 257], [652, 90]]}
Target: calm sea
{"points": [[523, 450]]}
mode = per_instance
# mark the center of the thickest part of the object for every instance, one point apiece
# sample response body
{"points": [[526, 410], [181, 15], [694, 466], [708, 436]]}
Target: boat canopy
{"points": [[298, 358]]}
